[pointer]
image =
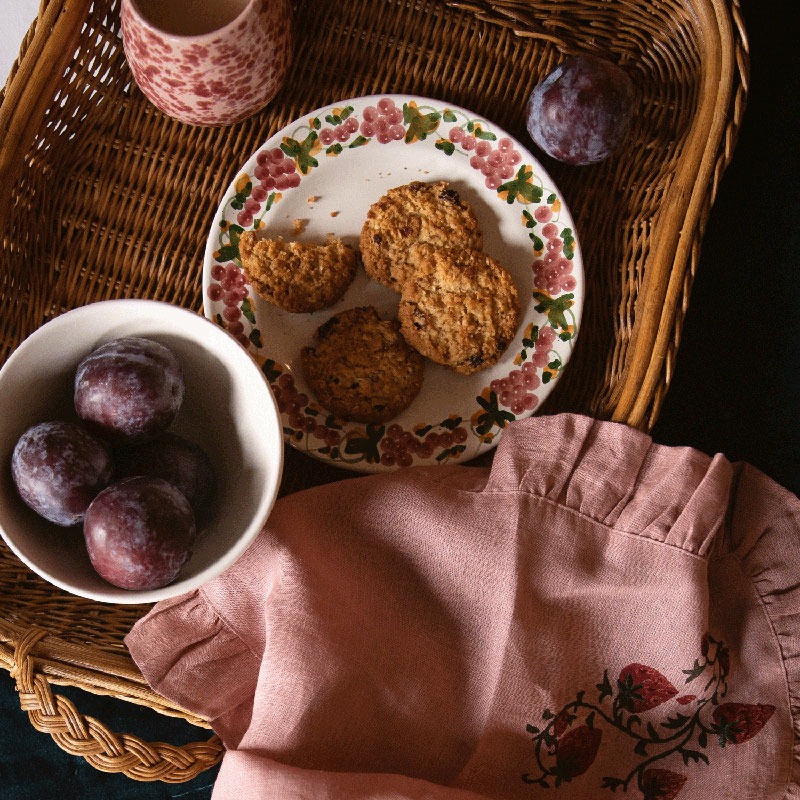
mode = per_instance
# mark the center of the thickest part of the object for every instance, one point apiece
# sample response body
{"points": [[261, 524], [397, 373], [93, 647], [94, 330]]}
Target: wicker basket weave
{"points": [[91, 171]]}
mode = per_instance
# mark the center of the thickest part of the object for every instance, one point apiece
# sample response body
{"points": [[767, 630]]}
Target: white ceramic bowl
{"points": [[228, 410]]}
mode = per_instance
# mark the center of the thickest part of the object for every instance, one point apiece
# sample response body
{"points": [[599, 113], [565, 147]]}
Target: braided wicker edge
{"points": [[638, 398]]}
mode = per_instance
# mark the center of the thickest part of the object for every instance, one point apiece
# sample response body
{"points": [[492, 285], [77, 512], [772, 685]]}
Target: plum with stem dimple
{"points": [[580, 112]]}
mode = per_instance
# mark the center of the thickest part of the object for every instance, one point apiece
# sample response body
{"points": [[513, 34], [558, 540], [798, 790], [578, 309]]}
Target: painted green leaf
{"points": [[316, 124], [554, 307], [424, 431], [268, 368], [530, 222], [551, 198], [488, 135], [227, 252], [255, 337], [346, 112], [419, 124], [334, 149], [446, 146], [492, 415], [358, 141], [367, 445], [538, 244], [333, 119], [247, 310], [448, 116], [450, 424], [521, 188], [301, 152]]}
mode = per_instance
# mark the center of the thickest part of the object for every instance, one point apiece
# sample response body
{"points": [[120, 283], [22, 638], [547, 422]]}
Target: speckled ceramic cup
{"points": [[208, 62]]}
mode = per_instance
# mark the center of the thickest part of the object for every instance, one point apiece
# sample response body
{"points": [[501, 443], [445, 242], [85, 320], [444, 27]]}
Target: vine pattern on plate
{"points": [[330, 134]]}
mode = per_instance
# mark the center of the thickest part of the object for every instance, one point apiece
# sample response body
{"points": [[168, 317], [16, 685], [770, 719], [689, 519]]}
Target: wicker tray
{"points": [[105, 197]]}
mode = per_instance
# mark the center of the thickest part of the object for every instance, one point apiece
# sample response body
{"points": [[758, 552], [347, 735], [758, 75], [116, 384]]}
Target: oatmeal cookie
{"points": [[297, 277], [417, 213], [361, 368], [460, 309]]}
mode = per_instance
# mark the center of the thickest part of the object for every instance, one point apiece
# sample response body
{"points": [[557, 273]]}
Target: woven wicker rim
{"points": [[648, 327]]}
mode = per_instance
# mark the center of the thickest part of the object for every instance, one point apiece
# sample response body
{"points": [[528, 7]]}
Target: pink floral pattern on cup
{"points": [[216, 78]]}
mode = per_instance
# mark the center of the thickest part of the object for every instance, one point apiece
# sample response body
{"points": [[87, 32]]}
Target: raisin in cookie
{"points": [[297, 277], [417, 213], [361, 367], [460, 309]]}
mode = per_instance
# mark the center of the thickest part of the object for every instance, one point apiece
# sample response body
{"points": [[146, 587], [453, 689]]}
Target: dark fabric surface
{"points": [[736, 388]]}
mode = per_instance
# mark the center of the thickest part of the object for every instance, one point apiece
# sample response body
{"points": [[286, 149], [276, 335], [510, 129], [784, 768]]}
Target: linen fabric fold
{"points": [[594, 616]]}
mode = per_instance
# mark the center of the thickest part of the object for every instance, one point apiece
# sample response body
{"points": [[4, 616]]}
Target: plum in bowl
{"points": [[227, 409]]}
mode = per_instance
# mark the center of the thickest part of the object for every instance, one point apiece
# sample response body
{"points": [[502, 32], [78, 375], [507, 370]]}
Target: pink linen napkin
{"points": [[596, 616]]}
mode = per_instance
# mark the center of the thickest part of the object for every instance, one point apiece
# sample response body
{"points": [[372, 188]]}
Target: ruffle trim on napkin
{"points": [[764, 535], [616, 476], [210, 650]]}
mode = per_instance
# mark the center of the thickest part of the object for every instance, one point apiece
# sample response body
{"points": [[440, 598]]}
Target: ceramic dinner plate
{"points": [[320, 175]]}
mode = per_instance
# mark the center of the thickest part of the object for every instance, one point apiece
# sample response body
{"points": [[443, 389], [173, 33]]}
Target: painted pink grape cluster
{"points": [[229, 284], [274, 171], [517, 390], [496, 164], [399, 447], [551, 273], [384, 121], [339, 133], [291, 402]]}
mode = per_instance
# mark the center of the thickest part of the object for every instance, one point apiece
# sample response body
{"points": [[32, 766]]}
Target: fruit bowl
{"points": [[228, 410]]}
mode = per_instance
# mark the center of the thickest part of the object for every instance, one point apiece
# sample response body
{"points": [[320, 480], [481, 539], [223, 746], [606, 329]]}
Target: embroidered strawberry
{"points": [[576, 751], [641, 688], [661, 784], [738, 722]]}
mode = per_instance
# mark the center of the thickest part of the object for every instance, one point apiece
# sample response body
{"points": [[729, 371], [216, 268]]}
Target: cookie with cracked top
{"points": [[297, 277], [361, 368], [460, 309], [416, 213]]}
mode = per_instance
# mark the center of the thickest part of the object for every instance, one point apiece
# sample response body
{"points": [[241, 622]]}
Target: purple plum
{"points": [[129, 389], [58, 468]]}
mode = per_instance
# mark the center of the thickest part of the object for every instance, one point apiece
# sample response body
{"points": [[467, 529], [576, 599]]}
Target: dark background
{"points": [[736, 388]]}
